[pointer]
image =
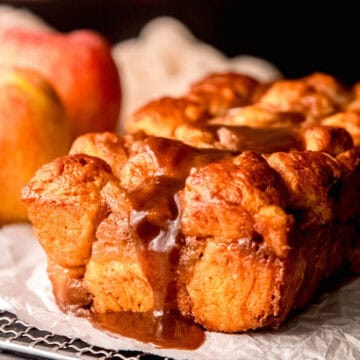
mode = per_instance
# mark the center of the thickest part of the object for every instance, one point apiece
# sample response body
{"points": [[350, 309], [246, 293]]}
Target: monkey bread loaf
{"points": [[229, 205]]}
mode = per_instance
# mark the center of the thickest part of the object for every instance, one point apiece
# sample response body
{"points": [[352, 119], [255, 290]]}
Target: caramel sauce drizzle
{"points": [[158, 251]]}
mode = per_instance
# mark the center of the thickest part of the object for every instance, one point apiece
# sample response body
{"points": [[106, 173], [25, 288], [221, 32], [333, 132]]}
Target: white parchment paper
{"points": [[328, 329]]}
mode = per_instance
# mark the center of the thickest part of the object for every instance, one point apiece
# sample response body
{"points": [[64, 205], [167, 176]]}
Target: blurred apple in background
{"points": [[34, 130], [79, 66]]}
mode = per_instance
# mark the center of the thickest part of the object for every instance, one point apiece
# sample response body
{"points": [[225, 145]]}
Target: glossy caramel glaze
{"points": [[230, 220], [169, 331]]}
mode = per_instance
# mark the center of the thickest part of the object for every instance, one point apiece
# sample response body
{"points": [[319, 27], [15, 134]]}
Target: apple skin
{"points": [[80, 67], [34, 130]]}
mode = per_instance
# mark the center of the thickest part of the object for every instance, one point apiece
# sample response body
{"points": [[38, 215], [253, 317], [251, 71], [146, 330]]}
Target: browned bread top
{"points": [[223, 110]]}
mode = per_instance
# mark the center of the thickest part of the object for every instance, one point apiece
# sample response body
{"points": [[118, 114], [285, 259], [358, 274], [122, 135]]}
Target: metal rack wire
{"points": [[18, 337]]}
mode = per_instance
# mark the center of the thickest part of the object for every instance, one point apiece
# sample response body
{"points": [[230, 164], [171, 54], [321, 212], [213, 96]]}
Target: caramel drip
{"points": [[158, 251], [261, 140], [168, 331]]}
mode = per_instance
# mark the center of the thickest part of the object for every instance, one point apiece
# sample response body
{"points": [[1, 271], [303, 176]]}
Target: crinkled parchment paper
{"points": [[164, 60], [328, 329]]}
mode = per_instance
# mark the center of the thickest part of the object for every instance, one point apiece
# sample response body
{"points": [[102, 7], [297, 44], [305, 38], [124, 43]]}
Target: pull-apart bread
{"points": [[230, 204]]}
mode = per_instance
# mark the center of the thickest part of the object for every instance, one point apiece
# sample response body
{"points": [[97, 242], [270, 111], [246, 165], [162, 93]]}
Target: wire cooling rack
{"points": [[20, 338]]}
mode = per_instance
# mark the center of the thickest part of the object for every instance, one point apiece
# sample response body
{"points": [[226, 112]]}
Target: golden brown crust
{"points": [[219, 92], [255, 204], [308, 178], [245, 296], [114, 275], [297, 96], [348, 120], [329, 86], [72, 186], [69, 289], [331, 140], [107, 146], [221, 199], [207, 98], [161, 117], [256, 115], [218, 110]]}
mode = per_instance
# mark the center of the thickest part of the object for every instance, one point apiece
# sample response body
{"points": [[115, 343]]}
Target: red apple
{"points": [[79, 66]]}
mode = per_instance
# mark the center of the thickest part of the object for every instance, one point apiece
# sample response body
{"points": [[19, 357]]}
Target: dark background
{"points": [[298, 37]]}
